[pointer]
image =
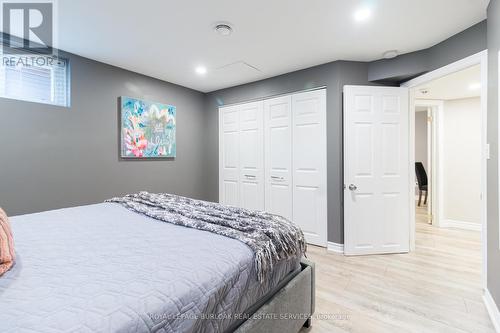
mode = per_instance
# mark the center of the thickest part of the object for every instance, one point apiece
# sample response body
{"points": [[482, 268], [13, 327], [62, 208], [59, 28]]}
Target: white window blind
{"points": [[47, 83]]}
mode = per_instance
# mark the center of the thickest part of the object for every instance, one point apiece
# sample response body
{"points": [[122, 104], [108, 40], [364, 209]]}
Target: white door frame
{"points": [[480, 58], [431, 165]]}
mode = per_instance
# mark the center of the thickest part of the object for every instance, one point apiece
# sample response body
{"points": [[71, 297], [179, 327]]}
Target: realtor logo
{"points": [[28, 27]]}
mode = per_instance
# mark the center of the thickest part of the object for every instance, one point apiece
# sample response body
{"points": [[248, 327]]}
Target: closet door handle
{"points": [[277, 178], [250, 176]]}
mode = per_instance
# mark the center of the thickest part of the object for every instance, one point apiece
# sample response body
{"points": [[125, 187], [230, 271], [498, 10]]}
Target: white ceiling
{"points": [[167, 39], [463, 84]]}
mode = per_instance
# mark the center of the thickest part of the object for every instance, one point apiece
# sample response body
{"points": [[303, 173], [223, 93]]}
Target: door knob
{"points": [[353, 187]]}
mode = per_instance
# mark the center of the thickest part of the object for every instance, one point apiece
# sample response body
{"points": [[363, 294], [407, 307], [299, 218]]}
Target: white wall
{"points": [[421, 138], [462, 160]]}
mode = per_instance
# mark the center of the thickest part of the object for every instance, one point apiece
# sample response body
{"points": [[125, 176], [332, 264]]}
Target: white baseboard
{"points": [[460, 225], [492, 310], [335, 247]]}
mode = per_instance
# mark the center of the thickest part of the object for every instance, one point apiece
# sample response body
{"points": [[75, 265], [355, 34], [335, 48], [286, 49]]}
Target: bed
{"points": [[104, 268]]}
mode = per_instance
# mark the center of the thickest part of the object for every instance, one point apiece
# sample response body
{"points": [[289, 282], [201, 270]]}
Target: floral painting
{"points": [[147, 129]]}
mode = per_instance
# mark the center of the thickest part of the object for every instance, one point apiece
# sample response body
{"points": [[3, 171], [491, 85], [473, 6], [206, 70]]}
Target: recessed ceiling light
{"points": [[475, 86], [362, 14], [201, 70], [391, 54], [223, 29]]}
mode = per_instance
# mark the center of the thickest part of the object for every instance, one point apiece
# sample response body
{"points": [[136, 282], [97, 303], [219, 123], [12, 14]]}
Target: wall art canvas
{"points": [[147, 129]]}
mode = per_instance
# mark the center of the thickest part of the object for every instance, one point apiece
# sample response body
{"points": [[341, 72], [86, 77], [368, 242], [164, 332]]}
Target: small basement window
{"points": [[40, 79]]}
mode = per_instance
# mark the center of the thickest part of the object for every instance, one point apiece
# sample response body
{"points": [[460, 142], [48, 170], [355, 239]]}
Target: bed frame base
{"points": [[289, 309]]}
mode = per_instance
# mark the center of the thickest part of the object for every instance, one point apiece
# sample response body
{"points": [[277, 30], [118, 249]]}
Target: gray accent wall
{"points": [[410, 65], [54, 157], [493, 205], [333, 76]]}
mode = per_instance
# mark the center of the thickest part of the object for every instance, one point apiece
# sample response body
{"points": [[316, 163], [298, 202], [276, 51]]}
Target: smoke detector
{"points": [[223, 29]]}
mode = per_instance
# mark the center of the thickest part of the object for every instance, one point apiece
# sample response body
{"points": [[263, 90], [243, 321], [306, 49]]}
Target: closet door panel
{"points": [[251, 153], [229, 188], [278, 156], [231, 193], [309, 165]]}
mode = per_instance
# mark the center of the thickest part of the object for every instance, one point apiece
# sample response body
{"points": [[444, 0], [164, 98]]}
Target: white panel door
{"points": [[376, 152], [278, 155], [309, 165], [229, 159], [251, 150]]}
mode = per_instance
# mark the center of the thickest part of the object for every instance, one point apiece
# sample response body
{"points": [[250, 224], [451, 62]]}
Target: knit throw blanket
{"points": [[271, 237]]}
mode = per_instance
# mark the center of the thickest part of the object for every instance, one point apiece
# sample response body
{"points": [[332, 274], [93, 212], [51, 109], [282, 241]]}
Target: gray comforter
{"points": [[271, 237], [103, 268]]}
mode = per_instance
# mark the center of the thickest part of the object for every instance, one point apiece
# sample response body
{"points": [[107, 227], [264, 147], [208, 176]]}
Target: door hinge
{"points": [[430, 119]]}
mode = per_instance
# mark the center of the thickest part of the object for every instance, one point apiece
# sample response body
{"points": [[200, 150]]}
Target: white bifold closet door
{"points": [[273, 158], [309, 165], [295, 161], [241, 169], [278, 156], [229, 159], [251, 150]]}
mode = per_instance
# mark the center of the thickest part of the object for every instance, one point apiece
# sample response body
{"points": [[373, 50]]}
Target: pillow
{"points": [[6, 244]]}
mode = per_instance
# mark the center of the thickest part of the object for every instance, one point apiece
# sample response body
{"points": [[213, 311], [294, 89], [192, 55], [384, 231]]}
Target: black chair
{"points": [[422, 182]]}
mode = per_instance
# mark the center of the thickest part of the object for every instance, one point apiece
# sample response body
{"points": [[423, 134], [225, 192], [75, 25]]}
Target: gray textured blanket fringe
{"points": [[271, 237]]}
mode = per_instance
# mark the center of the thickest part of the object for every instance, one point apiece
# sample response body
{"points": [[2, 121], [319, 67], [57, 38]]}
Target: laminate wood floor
{"points": [[437, 288]]}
